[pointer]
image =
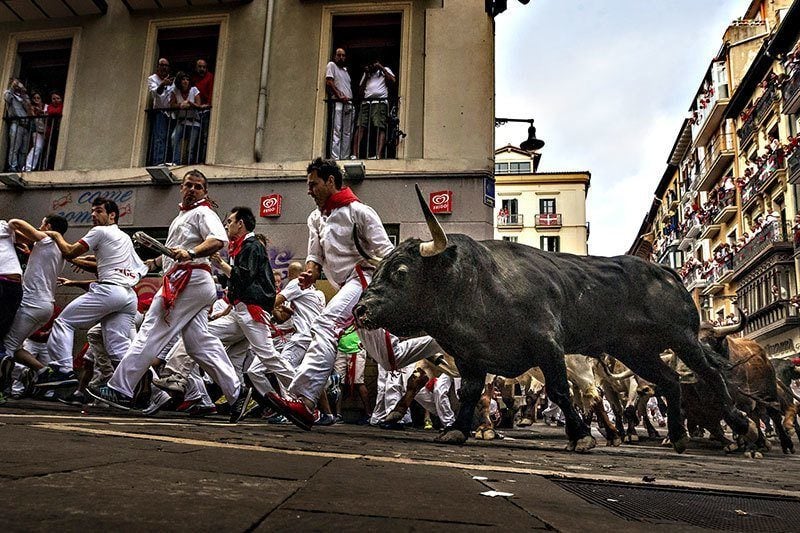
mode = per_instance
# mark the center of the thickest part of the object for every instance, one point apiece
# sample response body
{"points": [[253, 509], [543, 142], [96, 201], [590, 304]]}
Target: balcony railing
{"points": [[511, 219], [366, 129], [718, 156], [763, 177], [791, 93], [793, 163], [765, 103], [31, 143], [177, 136], [694, 279], [770, 234], [547, 220]]}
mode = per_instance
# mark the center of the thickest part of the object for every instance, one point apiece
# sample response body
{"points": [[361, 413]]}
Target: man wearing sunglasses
{"points": [[181, 304]]}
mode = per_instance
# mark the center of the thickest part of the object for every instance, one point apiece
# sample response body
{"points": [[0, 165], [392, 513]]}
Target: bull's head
{"points": [[404, 282], [715, 337]]}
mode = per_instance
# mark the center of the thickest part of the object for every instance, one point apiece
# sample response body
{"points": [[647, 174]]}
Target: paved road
{"points": [[67, 470]]}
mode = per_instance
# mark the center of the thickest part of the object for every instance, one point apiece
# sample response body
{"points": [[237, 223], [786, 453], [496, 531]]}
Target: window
{"points": [[550, 244], [501, 168], [181, 137], [522, 167], [369, 127], [41, 69], [547, 205], [510, 206], [511, 238]]}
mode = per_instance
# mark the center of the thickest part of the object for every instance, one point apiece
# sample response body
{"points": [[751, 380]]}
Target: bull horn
{"points": [[357, 241], [722, 331], [439, 242]]}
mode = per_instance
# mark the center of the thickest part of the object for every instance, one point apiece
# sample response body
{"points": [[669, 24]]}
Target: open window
{"points": [[33, 109], [177, 134], [368, 126]]}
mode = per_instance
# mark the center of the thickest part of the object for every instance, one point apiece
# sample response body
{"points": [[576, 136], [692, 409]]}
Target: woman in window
{"points": [[38, 129], [185, 100]]}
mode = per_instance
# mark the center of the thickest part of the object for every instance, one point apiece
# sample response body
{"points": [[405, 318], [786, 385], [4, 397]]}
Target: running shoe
{"points": [[52, 378], [239, 407], [158, 402], [111, 397], [199, 410], [325, 419], [76, 398], [6, 370], [295, 410]]}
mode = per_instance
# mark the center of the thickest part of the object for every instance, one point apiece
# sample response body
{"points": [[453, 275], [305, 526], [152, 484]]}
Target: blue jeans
{"points": [[189, 133], [159, 134], [18, 136]]}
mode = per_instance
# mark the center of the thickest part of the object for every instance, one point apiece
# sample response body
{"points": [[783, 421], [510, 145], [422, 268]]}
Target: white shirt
{"points": [[341, 79], [330, 240], [376, 84], [9, 263], [41, 274], [160, 101], [190, 228], [117, 261], [307, 304], [187, 116]]}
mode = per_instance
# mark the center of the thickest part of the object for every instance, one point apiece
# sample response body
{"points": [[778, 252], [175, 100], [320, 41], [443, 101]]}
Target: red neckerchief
{"points": [[198, 203], [235, 246], [339, 199]]}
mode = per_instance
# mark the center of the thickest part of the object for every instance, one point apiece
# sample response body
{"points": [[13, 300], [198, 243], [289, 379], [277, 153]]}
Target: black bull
{"points": [[501, 307]]}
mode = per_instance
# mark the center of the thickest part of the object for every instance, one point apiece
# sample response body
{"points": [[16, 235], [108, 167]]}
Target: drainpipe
{"points": [[261, 116]]}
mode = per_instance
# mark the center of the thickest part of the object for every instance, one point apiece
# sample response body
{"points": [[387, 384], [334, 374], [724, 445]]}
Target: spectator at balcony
{"points": [[38, 128], [374, 92], [772, 217], [18, 108], [728, 185], [186, 101], [339, 87], [796, 230], [159, 86], [54, 109], [203, 79]]}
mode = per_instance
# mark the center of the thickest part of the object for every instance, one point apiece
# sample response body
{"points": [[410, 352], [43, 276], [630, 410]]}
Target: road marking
{"points": [[418, 462]]}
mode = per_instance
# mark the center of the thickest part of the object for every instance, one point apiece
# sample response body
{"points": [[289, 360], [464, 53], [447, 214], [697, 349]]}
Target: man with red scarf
{"points": [[331, 247], [181, 304]]}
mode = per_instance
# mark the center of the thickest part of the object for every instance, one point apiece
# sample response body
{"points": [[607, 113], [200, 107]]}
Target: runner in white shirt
{"points": [[181, 304], [331, 247], [305, 305], [10, 294], [38, 287], [110, 301]]}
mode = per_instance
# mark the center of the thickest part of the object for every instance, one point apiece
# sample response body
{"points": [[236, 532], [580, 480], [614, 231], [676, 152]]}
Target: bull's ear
{"points": [[446, 258]]}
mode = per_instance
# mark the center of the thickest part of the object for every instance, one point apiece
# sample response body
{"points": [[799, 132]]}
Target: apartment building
{"points": [[546, 210], [724, 210], [268, 115]]}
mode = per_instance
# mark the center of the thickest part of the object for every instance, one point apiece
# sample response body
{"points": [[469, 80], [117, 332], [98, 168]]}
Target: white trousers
{"points": [[294, 350], [343, 115], [189, 317], [113, 306], [437, 400], [391, 388], [30, 317]]}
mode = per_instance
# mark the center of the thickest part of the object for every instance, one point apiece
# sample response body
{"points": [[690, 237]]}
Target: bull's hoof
{"points": [[613, 441], [489, 434], [680, 444], [584, 444], [451, 436], [525, 422], [571, 446], [666, 442], [731, 448], [753, 454], [394, 416], [631, 438], [752, 432]]}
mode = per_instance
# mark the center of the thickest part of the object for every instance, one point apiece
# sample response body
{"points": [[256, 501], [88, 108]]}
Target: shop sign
{"points": [[76, 205], [441, 202], [271, 205]]}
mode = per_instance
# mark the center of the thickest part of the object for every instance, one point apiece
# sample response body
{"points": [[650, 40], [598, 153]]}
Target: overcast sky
{"points": [[609, 83]]}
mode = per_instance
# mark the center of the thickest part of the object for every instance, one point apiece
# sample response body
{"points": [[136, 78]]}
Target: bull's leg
{"points": [[555, 376], [695, 358], [472, 382], [786, 441], [616, 407], [651, 368], [632, 419], [415, 383]]}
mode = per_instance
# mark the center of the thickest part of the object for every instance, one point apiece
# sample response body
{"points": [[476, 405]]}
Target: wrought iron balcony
{"points": [[718, 157], [177, 136], [768, 238], [31, 143], [793, 163], [791, 93], [370, 129], [511, 220], [547, 220], [765, 175]]}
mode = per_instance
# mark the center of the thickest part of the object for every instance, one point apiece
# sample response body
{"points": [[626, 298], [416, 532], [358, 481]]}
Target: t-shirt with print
{"points": [[117, 261], [307, 304]]}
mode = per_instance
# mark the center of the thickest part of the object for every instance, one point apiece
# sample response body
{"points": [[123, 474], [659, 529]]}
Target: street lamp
{"points": [[531, 144], [495, 7]]}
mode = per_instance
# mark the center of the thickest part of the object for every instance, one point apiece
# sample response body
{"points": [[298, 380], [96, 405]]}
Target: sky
{"points": [[608, 83]]}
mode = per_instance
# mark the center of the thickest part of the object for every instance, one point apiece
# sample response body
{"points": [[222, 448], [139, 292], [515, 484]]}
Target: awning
{"points": [[146, 5], [25, 10]]}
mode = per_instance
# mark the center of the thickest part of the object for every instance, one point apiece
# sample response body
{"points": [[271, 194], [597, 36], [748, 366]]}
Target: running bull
{"points": [[500, 307]]}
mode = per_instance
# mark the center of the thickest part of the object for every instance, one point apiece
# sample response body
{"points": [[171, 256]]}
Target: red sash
{"points": [[173, 288]]}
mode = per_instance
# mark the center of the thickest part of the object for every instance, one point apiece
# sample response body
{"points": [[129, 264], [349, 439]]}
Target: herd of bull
{"points": [[507, 309]]}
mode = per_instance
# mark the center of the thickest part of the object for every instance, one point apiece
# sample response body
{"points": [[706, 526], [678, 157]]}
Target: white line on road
{"points": [[410, 461]]}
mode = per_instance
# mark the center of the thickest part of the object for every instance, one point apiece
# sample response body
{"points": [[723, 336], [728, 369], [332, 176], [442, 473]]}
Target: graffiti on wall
{"points": [[279, 260]]}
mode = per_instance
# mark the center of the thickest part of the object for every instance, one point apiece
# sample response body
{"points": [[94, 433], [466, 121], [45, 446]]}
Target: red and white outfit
{"points": [[181, 307], [330, 244], [307, 305], [111, 300], [38, 293]]}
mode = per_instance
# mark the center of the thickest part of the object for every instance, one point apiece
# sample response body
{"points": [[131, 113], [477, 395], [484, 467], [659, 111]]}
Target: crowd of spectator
{"points": [[32, 127]]}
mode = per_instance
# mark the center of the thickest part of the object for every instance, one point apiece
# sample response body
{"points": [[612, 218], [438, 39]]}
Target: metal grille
{"points": [[707, 509]]}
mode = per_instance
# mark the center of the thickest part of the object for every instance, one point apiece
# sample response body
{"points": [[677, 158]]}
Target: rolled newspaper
{"points": [[147, 241]]}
